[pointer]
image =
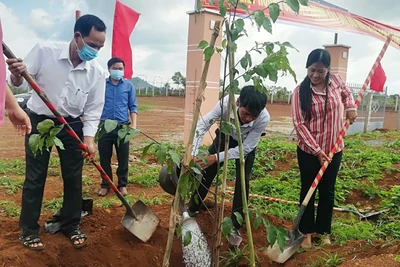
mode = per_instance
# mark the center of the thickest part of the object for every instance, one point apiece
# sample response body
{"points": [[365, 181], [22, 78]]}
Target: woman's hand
{"points": [[351, 115]]}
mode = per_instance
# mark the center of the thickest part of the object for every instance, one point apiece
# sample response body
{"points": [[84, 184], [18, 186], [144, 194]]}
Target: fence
{"points": [[157, 91], [371, 111]]}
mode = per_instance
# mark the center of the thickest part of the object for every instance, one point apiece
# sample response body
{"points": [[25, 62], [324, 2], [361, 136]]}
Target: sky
{"points": [[159, 40]]}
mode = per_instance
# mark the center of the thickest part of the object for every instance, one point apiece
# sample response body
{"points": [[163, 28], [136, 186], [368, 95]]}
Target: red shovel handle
{"points": [[9, 54]]}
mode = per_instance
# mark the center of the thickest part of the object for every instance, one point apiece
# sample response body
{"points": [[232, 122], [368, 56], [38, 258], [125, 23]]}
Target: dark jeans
{"points": [[106, 143], [35, 178], [210, 173], [309, 168]]}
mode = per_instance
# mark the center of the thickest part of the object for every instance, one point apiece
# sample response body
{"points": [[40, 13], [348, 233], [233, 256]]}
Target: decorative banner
{"points": [[324, 16]]}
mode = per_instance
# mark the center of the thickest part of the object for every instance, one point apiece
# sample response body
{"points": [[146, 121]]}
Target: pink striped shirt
{"points": [[315, 135]]}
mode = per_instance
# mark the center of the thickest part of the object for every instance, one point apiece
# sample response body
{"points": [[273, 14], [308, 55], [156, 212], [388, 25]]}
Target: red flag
{"points": [[125, 20], [378, 79]]}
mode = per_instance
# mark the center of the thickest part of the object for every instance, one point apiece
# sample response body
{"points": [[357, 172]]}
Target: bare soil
{"points": [[110, 244]]}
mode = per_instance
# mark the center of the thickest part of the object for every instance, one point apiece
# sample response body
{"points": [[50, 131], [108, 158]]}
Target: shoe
{"points": [[234, 239], [103, 192], [192, 213], [307, 242], [123, 191], [326, 240]]}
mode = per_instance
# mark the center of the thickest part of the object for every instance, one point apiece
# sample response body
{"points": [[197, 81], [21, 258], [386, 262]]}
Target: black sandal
{"points": [[75, 236], [30, 240]]}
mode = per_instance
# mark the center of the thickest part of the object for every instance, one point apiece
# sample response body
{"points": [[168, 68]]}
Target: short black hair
{"points": [[114, 60], [85, 24], [252, 99]]}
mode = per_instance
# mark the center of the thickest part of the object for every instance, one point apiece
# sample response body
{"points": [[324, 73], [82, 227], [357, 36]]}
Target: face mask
{"points": [[117, 74], [87, 53]]}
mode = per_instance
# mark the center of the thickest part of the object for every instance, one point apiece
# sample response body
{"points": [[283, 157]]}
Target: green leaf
{"points": [[239, 217], [281, 237], [187, 238], [49, 141], [202, 158], [131, 134], [293, 4], [243, 6], [227, 127], [199, 5], [261, 71], [247, 77], [212, 2], [224, 44], [45, 126], [208, 52], [174, 157], [146, 150], [239, 23], [243, 62], [123, 132], [203, 44], [257, 221], [233, 47], [179, 230], [269, 47], [259, 17], [183, 184], [110, 125], [267, 25], [227, 226], [274, 11], [161, 153], [249, 59], [196, 170], [59, 143], [304, 2], [55, 130], [271, 235], [222, 11], [41, 143], [287, 44], [34, 143]]}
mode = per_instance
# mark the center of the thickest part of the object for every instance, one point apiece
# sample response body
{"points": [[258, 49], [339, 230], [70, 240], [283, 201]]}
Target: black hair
{"points": [[252, 99], [323, 57], [114, 60], [85, 24]]}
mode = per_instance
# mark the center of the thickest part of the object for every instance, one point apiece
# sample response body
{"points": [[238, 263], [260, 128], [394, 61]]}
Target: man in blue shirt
{"points": [[120, 105]]}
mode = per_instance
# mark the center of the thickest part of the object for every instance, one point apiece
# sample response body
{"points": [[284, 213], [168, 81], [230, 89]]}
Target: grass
{"points": [[9, 208], [13, 166], [12, 185], [111, 202], [330, 260], [144, 176], [142, 108], [53, 205]]}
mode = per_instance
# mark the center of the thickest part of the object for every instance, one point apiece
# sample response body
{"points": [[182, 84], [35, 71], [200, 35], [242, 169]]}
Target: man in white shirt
{"points": [[254, 118], [75, 84]]}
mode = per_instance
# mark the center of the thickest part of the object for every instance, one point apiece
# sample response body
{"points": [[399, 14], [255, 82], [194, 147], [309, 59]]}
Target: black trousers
{"points": [[35, 178], [309, 168], [210, 173], [106, 143]]}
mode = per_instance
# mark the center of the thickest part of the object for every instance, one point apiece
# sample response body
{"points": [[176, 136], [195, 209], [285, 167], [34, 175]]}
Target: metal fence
{"points": [[371, 110], [157, 91]]}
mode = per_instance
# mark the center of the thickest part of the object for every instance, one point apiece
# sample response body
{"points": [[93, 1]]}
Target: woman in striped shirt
{"points": [[317, 112]]}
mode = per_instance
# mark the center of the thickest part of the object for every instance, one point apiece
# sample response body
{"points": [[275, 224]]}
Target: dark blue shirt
{"points": [[120, 101]]}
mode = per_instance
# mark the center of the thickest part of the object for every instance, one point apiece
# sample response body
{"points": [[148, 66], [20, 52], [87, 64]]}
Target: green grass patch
{"points": [[9, 208], [12, 185]]}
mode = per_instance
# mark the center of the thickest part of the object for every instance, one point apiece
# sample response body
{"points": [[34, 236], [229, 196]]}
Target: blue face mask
{"points": [[117, 74], [87, 53]]}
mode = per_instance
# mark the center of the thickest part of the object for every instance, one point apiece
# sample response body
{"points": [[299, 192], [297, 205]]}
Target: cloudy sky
{"points": [[159, 40]]}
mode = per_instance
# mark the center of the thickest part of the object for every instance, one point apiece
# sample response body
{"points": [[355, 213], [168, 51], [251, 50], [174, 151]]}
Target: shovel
{"points": [[138, 219], [365, 216], [296, 238]]}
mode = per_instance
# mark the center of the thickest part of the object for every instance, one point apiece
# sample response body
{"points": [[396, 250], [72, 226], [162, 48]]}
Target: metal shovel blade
{"points": [[140, 221], [296, 238]]}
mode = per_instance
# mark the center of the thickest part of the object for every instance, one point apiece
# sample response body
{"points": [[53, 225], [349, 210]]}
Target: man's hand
{"points": [[20, 120], [16, 67], [322, 157], [211, 159], [351, 115], [91, 148]]}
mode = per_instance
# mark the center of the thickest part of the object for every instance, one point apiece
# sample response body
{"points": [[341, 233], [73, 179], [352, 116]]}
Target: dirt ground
{"points": [[110, 244]]}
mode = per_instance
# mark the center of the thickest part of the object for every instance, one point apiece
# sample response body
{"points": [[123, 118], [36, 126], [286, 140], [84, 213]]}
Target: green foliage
{"points": [[12, 185], [9, 209], [125, 132], [14, 166], [53, 205], [46, 138], [144, 176], [330, 260]]}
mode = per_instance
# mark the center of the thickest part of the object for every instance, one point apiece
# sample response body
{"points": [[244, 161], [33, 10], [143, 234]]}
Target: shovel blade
{"points": [[144, 224], [292, 245]]}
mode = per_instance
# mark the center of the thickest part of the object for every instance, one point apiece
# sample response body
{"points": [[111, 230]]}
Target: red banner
{"points": [[324, 17]]}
